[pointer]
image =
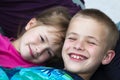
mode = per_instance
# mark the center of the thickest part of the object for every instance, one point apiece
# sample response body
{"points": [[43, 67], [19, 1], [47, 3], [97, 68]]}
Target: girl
{"points": [[42, 40]]}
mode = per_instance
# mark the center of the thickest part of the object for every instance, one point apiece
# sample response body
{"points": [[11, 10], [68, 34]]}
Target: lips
{"points": [[31, 53], [77, 57]]}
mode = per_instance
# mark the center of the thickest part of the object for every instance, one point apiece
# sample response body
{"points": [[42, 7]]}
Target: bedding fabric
{"points": [[36, 73], [16, 13]]}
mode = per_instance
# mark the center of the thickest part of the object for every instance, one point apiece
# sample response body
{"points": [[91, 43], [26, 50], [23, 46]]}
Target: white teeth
{"points": [[77, 57]]}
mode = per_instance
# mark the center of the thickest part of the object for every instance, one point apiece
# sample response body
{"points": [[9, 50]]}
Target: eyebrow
{"points": [[71, 33], [52, 53], [91, 37]]}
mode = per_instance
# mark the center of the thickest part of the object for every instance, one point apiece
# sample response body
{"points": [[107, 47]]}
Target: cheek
{"points": [[91, 49], [31, 38], [96, 53], [67, 45], [65, 48]]}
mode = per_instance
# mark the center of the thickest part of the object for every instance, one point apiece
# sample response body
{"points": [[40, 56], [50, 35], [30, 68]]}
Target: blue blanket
{"points": [[35, 73]]}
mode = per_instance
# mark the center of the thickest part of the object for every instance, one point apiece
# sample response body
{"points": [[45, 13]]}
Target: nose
{"points": [[41, 48], [79, 45]]}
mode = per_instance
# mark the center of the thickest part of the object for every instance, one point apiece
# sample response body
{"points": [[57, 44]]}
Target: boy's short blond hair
{"points": [[100, 17]]}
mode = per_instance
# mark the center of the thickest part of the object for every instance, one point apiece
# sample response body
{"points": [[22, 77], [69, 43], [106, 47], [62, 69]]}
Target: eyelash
{"points": [[49, 52], [42, 39], [71, 38], [91, 43]]}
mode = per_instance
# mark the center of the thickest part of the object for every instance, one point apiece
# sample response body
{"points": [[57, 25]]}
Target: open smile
{"points": [[77, 57]]}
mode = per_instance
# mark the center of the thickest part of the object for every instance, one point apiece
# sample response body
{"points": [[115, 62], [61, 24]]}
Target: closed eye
{"points": [[93, 43], [42, 39], [50, 53], [71, 38]]}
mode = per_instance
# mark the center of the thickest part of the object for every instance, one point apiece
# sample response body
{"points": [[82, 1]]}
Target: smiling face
{"points": [[38, 44], [84, 48]]}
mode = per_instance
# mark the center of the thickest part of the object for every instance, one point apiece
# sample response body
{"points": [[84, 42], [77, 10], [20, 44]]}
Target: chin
{"points": [[72, 69]]}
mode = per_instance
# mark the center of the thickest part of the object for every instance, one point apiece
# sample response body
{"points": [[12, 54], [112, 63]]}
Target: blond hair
{"points": [[57, 17], [101, 17]]}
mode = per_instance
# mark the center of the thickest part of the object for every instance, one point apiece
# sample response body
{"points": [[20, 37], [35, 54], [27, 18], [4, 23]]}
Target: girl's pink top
{"points": [[10, 57]]}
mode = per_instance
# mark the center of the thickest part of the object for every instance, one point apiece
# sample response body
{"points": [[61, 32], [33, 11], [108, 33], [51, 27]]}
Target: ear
{"points": [[31, 24], [108, 57]]}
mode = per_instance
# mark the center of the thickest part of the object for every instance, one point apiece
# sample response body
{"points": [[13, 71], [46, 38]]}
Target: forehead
{"points": [[87, 27], [52, 33]]}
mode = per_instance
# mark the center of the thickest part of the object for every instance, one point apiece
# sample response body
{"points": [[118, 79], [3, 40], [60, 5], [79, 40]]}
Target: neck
{"points": [[86, 76]]}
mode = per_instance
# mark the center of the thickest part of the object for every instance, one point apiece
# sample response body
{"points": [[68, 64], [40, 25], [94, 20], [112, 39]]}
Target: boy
{"points": [[90, 40]]}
